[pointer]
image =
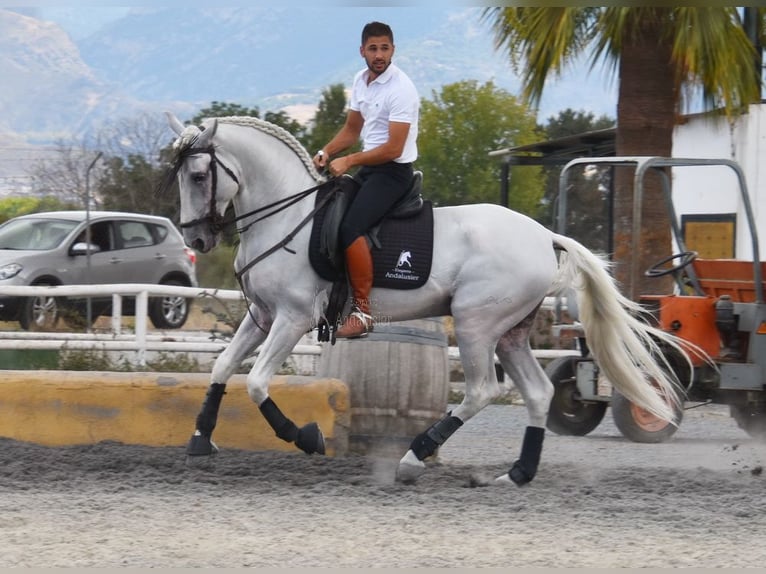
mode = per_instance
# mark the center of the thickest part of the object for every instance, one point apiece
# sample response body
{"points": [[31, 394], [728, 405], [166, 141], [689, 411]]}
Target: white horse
{"points": [[491, 270]]}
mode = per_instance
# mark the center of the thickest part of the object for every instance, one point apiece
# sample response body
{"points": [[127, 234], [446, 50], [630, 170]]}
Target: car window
{"points": [[135, 234], [34, 234], [102, 234], [160, 232]]}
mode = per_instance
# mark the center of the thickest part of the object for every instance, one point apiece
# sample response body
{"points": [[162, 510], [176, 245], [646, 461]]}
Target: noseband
{"points": [[215, 220]]}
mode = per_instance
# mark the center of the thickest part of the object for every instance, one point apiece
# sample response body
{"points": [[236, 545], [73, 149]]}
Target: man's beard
{"points": [[371, 68]]}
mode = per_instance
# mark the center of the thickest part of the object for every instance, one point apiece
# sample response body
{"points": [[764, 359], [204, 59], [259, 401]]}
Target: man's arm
{"points": [[392, 149], [347, 136]]}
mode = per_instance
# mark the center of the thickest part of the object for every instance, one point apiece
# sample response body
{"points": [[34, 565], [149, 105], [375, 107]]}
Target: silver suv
{"points": [[51, 249]]}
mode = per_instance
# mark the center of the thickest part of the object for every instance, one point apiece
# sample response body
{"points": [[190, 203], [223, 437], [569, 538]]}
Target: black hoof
{"points": [[200, 445], [310, 439], [519, 475]]}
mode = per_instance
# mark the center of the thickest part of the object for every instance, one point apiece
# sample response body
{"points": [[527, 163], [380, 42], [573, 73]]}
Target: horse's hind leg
{"points": [[478, 359], [517, 359], [248, 336]]}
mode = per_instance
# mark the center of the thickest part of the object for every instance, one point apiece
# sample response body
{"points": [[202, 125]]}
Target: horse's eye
{"points": [[199, 177]]}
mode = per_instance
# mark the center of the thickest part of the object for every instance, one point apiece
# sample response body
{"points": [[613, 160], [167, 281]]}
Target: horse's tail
{"points": [[626, 348]]}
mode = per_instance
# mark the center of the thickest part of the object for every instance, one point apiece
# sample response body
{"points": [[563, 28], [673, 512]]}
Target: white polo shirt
{"points": [[391, 97]]}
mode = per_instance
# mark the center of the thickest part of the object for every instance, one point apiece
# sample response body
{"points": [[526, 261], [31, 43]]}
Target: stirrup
{"points": [[357, 324]]}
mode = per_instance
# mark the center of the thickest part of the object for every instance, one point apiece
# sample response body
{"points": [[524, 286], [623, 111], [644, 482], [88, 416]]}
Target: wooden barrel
{"points": [[398, 378]]}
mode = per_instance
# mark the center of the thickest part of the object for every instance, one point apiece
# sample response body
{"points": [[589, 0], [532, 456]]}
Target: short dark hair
{"points": [[376, 29]]}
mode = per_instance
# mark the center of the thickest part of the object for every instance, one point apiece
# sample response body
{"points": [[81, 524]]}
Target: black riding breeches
{"points": [[381, 187]]}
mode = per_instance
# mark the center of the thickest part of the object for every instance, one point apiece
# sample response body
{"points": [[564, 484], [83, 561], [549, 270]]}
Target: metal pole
{"points": [[89, 306], [505, 171]]}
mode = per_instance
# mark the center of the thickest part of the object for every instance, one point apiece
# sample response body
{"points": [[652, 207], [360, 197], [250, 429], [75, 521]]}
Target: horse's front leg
{"points": [[285, 333], [248, 336]]}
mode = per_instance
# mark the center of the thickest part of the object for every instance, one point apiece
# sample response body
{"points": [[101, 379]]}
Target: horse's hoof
{"points": [[517, 475], [410, 468], [200, 445], [503, 479], [310, 439]]}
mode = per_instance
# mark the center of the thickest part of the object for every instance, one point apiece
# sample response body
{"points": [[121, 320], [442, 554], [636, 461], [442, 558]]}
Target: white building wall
{"points": [[715, 189]]}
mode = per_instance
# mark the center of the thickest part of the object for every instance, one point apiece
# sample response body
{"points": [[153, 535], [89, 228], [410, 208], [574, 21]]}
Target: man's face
{"points": [[377, 52]]}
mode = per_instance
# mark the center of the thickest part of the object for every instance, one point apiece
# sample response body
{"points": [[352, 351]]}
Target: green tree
{"points": [[129, 185], [661, 55], [570, 122], [222, 109], [285, 121], [15, 206], [328, 119], [458, 129]]}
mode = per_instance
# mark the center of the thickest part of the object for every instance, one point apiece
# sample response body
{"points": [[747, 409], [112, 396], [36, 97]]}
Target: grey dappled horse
{"points": [[491, 270]]}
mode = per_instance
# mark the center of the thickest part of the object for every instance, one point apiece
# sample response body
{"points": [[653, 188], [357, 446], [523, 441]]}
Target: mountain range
{"points": [[59, 81]]}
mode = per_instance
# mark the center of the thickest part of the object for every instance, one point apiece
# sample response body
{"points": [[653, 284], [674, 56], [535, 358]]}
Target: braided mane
{"points": [[281, 134]]}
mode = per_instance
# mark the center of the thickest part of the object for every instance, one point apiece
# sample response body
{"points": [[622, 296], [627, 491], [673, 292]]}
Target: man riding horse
{"points": [[383, 110]]}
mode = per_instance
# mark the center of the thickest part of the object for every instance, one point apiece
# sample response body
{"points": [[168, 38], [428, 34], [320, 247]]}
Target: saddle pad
{"points": [[406, 249], [403, 260]]}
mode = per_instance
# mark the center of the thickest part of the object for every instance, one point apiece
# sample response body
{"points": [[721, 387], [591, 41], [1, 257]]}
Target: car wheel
{"points": [[40, 313], [169, 312]]}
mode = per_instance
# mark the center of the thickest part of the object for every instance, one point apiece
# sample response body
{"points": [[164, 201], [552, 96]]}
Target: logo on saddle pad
{"points": [[403, 269]]}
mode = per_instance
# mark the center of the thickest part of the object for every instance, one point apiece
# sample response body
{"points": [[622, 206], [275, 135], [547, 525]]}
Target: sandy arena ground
{"points": [[597, 501]]}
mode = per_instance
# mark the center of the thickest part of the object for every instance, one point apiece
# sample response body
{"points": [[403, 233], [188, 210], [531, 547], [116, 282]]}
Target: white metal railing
{"points": [[141, 340]]}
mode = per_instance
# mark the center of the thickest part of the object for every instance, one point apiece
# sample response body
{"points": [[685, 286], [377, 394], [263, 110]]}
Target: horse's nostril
{"points": [[198, 245]]}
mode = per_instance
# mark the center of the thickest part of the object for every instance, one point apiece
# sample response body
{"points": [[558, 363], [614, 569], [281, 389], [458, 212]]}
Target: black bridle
{"points": [[216, 221]]}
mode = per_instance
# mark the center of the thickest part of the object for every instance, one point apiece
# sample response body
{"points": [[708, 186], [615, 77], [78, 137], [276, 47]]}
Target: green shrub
{"points": [[215, 269]]}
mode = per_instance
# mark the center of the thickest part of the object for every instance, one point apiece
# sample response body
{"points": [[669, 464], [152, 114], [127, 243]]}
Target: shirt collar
{"points": [[384, 77]]}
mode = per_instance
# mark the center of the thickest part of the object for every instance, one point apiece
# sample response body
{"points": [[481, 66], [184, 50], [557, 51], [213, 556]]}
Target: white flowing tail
{"points": [[625, 347]]}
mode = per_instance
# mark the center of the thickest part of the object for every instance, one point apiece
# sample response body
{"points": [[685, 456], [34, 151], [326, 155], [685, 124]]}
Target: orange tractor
{"points": [[719, 307]]}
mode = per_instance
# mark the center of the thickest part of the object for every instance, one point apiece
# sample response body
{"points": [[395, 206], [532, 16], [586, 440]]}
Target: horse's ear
{"points": [[174, 123], [208, 131]]}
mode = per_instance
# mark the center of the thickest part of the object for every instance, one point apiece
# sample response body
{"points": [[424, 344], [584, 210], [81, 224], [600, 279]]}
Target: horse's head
{"points": [[206, 185]]}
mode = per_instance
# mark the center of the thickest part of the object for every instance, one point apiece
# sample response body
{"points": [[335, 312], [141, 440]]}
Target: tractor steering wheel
{"points": [[686, 257]]}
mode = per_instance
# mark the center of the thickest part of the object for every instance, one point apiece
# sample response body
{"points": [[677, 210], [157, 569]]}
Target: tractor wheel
{"points": [[753, 423], [639, 425], [568, 415]]}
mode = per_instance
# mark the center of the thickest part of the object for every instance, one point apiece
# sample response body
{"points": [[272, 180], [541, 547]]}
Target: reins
{"points": [[287, 239], [217, 222], [290, 236]]}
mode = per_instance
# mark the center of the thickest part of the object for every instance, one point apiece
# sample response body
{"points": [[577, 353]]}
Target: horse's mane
{"points": [[278, 132]]}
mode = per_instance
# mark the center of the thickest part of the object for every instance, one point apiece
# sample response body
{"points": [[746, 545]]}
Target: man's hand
{"points": [[340, 165], [320, 160]]}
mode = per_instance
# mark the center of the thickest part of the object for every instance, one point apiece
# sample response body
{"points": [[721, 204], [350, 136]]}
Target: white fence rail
{"points": [[141, 340]]}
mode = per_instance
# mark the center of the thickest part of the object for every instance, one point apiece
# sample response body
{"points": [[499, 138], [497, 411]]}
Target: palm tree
{"points": [[663, 57]]}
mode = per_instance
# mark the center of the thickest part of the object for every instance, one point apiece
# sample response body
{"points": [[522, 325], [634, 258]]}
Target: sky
{"points": [[80, 19]]}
